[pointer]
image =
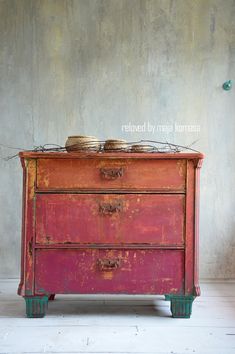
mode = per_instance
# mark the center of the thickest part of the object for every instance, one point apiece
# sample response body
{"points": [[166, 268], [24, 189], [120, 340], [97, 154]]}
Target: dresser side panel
{"points": [[26, 286], [191, 228], [198, 165], [21, 284]]}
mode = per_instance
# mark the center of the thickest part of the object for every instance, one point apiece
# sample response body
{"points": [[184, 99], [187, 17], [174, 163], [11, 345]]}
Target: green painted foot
{"points": [[167, 297], [181, 306], [36, 306]]}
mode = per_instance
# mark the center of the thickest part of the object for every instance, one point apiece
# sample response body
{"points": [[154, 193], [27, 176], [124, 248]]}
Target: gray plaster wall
{"points": [[91, 66]]}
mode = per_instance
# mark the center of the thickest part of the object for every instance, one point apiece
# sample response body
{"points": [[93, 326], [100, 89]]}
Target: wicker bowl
{"points": [[115, 145], [142, 148], [82, 143]]}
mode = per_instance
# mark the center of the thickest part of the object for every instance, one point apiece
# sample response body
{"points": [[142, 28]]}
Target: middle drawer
{"points": [[110, 219]]}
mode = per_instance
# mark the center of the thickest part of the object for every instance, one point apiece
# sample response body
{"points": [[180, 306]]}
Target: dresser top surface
{"points": [[100, 155]]}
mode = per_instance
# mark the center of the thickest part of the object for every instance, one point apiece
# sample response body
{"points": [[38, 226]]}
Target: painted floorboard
{"points": [[119, 324]]}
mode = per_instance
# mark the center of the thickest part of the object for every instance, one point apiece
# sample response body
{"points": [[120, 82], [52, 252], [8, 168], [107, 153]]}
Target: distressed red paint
{"points": [[141, 218], [139, 272], [137, 174], [135, 214]]}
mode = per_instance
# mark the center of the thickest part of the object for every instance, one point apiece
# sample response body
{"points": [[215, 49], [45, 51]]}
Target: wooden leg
{"points": [[36, 306], [51, 297], [181, 306]]}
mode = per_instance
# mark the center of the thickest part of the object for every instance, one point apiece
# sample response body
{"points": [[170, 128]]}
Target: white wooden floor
{"points": [[112, 324]]}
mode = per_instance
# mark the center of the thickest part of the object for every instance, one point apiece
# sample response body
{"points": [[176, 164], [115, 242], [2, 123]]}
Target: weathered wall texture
{"points": [[89, 66]]}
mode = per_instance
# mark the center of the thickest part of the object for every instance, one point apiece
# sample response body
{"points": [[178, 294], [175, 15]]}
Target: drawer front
{"points": [[131, 174], [109, 271], [110, 218]]}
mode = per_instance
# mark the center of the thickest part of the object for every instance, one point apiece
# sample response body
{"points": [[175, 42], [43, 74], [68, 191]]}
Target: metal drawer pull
{"points": [[111, 173], [108, 264], [109, 209]]}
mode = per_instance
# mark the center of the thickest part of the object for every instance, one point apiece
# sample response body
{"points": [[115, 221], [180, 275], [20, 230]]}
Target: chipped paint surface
{"points": [[62, 218], [31, 173], [86, 174], [144, 271], [72, 245], [28, 221]]}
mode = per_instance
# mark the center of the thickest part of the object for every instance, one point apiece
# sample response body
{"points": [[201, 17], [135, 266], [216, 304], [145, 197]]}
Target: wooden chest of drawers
{"points": [[110, 223]]}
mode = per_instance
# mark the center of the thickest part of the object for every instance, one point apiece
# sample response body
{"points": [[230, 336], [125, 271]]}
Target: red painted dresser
{"points": [[110, 223]]}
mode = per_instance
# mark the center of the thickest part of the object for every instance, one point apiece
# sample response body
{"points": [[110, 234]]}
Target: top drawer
{"points": [[111, 174]]}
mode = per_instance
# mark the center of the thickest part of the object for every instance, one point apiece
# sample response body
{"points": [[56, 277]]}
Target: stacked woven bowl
{"points": [[86, 143], [76, 143]]}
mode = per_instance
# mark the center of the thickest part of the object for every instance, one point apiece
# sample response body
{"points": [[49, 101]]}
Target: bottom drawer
{"points": [[97, 271]]}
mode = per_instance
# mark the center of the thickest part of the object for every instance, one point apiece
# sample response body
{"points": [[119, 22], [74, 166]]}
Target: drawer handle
{"points": [[109, 209], [111, 173], [108, 264]]}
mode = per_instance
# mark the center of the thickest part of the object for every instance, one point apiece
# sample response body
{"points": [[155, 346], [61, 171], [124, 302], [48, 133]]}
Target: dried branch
{"points": [[165, 147]]}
